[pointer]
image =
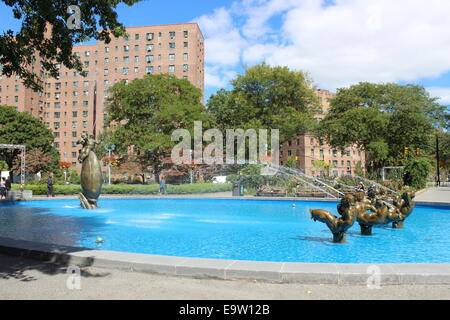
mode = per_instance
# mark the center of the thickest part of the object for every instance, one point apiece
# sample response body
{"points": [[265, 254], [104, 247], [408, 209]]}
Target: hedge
{"points": [[41, 189]]}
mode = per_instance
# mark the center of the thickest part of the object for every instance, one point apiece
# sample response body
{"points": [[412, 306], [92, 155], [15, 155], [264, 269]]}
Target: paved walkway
{"points": [[438, 194], [28, 279]]}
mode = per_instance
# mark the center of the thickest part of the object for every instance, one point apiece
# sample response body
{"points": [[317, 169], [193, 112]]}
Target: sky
{"points": [[338, 42]]}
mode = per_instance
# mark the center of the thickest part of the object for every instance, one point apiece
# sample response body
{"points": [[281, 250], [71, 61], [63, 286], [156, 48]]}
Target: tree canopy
{"points": [[145, 112], [23, 129], [267, 97], [49, 30], [382, 119]]}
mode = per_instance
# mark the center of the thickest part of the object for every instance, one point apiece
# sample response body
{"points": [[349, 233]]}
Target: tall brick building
{"points": [[67, 105], [308, 150]]}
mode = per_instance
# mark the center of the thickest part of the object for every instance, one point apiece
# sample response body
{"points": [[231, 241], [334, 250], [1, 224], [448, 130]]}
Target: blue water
{"points": [[226, 229]]}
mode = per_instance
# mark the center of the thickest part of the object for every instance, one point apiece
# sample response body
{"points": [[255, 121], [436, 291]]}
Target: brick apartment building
{"points": [[307, 148], [67, 105]]}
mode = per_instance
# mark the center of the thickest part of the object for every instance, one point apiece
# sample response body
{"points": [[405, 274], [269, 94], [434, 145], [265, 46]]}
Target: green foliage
{"points": [[23, 129], [417, 171], [149, 110], [197, 188], [291, 162], [267, 97], [382, 119], [54, 45], [74, 177]]}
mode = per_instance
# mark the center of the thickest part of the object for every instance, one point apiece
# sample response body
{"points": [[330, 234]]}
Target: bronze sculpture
{"points": [[404, 204], [337, 226], [368, 210], [91, 174]]}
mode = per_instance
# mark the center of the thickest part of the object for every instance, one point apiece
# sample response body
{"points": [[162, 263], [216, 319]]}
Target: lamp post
{"points": [[110, 148], [438, 179]]}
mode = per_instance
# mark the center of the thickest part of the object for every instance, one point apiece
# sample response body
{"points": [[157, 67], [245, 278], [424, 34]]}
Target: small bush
{"points": [[197, 188], [416, 173]]}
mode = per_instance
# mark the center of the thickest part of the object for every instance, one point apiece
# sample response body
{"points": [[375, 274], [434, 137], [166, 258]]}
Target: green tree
{"points": [[291, 162], [417, 171], [23, 129], [382, 119], [268, 98], [145, 113], [53, 45]]}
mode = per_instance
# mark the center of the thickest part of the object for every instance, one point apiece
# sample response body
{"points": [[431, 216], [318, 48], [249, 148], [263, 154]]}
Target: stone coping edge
{"points": [[200, 197], [279, 272]]}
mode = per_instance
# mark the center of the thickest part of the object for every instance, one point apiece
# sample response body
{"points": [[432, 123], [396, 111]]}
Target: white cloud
{"points": [[339, 44], [442, 93]]}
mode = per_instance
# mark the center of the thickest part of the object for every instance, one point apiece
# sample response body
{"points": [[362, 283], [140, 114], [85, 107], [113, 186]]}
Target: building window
{"points": [[149, 47], [126, 59], [85, 114], [185, 67], [85, 84], [172, 45], [74, 114], [87, 54], [74, 124], [150, 36], [74, 134], [126, 37], [74, 144], [75, 84], [136, 47], [74, 103], [172, 34], [185, 56], [85, 124], [149, 58], [74, 154], [86, 64], [85, 103], [106, 49], [185, 44], [136, 36], [126, 48], [106, 61], [56, 115], [136, 58], [105, 72], [334, 153], [171, 56], [136, 69], [75, 94], [106, 83], [125, 70], [57, 105], [186, 33], [85, 93], [171, 68], [149, 69]]}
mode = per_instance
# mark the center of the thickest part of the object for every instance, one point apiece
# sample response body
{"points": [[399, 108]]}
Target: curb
{"points": [[279, 272]]}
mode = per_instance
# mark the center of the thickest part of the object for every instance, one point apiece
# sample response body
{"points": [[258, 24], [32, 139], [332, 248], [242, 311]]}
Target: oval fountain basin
{"points": [[260, 230]]}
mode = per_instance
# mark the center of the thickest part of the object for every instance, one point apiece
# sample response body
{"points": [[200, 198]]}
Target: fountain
{"points": [[368, 210], [91, 173]]}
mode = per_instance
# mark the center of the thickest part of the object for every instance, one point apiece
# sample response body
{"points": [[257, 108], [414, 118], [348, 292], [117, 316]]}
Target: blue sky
{"points": [[338, 43]]}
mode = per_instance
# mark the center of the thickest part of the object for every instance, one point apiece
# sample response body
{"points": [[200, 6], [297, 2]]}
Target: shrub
{"points": [[197, 188], [416, 173]]}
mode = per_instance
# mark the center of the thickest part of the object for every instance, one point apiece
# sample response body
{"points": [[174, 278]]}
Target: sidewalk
{"points": [[437, 194]]}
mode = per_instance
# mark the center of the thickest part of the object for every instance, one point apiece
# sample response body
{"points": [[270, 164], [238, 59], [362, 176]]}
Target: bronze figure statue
{"points": [[368, 210], [405, 204], [337, 226], [91, 173]]}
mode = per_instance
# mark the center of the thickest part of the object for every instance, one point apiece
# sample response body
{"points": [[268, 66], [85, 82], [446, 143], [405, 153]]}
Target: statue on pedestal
{"points": [[91, 173]]}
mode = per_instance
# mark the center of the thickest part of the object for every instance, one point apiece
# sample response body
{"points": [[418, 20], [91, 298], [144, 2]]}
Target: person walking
{"points": [[50, 186], [162, 185], [8, 185], [2, 188]]}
